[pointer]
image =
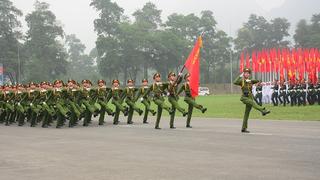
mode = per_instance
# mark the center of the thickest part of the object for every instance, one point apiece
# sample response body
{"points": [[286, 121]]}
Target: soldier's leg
{"points": [[120, 107], [45, 120], [190, 110], [130, 115], [60, 120], [87, 118], [175, 104], [191, 101], [102, 115], [159, 113], [246, 117], [161, 103], [249, 101], [172, 115], [134, 107], [304, 101], [116, 116], [147, 105], [106, 108]]}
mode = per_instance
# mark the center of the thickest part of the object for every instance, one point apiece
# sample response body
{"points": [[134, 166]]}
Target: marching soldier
{"points": [[130, 94], [189, 99], [45, 100], [117, 96], [292, 94], [311, 94], [72, 101], [146, 101], [274, 96], [101, 98], [33, 107], [87, 102], [173, 97], [283, 95], [20, 106], [158, 88], [247, 98], [58, 98], [258, 96]]}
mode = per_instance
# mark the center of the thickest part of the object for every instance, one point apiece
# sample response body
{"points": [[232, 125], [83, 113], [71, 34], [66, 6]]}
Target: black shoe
{"points": [[153, 113], [188, 126], [185, 114], [157, 128], [204, 110], [126, 113], [245, 131], [172, 127], [116, 123], [20, 124], [265, 112], [112, 114], [101, 124], [45, 126], [130, 122], [85, 125], [58, 127], [145, 122], [171, 112], [140, 112]]}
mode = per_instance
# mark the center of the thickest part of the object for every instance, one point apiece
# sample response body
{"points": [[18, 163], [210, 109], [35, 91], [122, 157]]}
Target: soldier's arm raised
{"points": [[238, 80]]}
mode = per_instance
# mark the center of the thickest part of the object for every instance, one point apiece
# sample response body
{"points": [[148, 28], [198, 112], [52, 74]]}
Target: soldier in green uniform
{"points": [[101, 98], [87, 102], [283, 94], [47, 111], [20, 106], [9, 104], [292, 94], [117, 96], [190, 100], [173, 97], [72, 101], [311, 94], [61, 108], [33, 106], [258, 96], [158, 89], [130, 99], [146, 101], [247, 98]]}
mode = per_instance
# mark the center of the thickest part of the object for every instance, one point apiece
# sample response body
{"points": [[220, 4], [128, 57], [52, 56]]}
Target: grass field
{"points": [[230, 106]]}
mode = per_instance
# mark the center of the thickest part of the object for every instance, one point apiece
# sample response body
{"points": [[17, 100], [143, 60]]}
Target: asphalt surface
{"points": [[213, 149]]}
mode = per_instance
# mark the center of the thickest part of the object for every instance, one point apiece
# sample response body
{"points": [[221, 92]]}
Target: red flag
{"points": [[241, 65], [247, 61], [254, 61], [193, 66]]}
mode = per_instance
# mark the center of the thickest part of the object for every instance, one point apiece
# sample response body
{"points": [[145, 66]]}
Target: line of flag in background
{"points": [[296, 64]]}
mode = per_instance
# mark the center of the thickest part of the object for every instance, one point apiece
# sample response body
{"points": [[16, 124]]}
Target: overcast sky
{"points": [[77, 16]]}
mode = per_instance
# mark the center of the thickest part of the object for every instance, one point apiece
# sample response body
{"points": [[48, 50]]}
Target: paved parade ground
{"points": [[213, 149]]}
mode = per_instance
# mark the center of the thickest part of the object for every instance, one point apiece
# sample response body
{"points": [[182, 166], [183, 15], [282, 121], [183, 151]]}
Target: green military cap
{"points": [[32, 84], [115, 81], [101, 81], [156, 75], [43, 83], [57, 81], [130, 81], [72, 81], [247, 70], [186, 75], [171, 74], [86, 81], [20, 85], [144, 80]]}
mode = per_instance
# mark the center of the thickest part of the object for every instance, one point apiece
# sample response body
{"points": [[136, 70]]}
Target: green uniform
{"points": [[190, 101], [20, 106], [9, 107], [146, 101], [101, 95], [173, 99], [72, 102], [258, 96], [47, 107], [130, 94], [158, 88], [247, 99], [89, 104], [117, 96], [60, 106]]}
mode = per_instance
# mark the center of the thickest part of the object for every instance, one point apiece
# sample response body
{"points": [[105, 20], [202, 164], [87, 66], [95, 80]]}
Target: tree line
{"points": [[136, 47]]}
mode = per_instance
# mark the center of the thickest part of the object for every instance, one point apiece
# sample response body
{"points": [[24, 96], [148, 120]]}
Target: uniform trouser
{"points": [[20, 114], [119, 108], [90, 109], [132, 108], [258, 98], [62, 113], [318, 98], [174, 106], [302, 99], [310, 98], [283, 98], [191, 104], [2, 116], [274, 98], [104, 108], [75, 113], [293, 99], [249, 102], [160, 102], [147, 105]]}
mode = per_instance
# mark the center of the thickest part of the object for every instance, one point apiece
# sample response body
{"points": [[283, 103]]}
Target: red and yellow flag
{"points": [[193, 66]]}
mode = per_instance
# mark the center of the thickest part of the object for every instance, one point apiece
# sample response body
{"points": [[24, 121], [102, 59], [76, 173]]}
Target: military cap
{"points": [[247, 70], [130, 81], [171, 74], [43, 83], [57, 81], [32, 84], [186, 75], [101, 81], [115, 81], [144, 80], [86, 81], [156, 75], [72, 81]]}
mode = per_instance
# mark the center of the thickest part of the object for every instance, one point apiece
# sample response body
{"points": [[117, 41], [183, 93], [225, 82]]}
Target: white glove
{"points": [[241, 75], [180, 74], [248, 80]]}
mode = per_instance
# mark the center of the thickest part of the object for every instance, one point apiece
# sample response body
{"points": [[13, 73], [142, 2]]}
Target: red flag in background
{"points": [[193, 66], [254, 62], [247, 61], [241, 65]]}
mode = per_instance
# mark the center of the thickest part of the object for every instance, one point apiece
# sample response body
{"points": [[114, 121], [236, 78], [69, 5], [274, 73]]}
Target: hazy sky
{"points": [[77, 16]]}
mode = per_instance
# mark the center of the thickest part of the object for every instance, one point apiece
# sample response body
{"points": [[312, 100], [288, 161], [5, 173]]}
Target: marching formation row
{"points": [[46, 103], [294, 93]]}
